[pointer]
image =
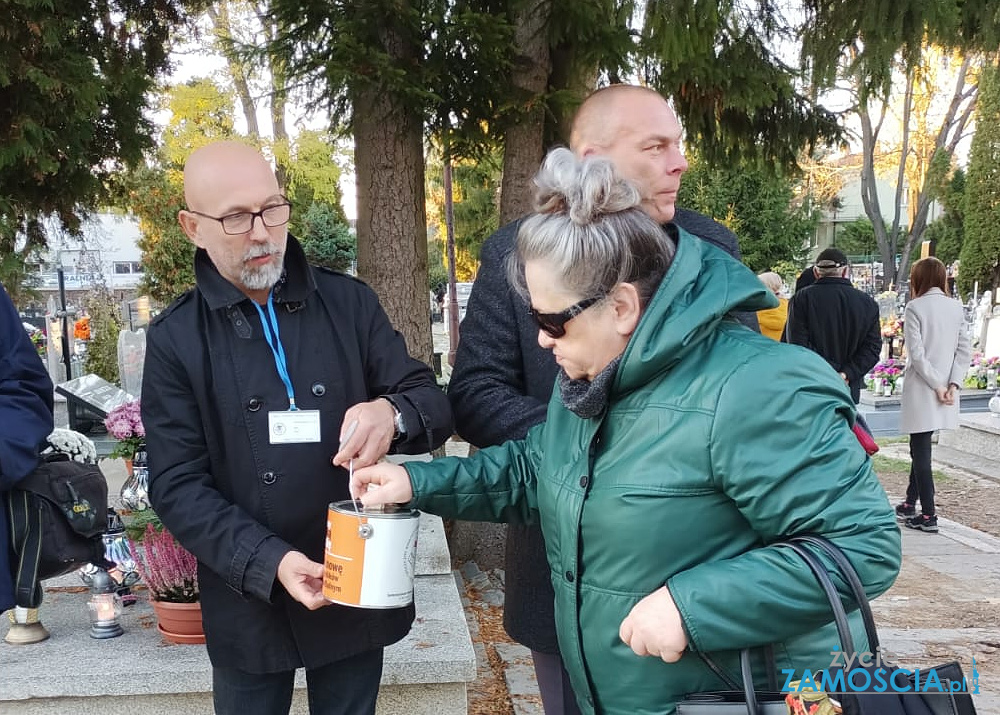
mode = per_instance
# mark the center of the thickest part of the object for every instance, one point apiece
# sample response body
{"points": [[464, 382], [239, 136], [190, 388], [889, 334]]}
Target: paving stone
{"points": [[469, 570], [493, 597], [520, 680]]}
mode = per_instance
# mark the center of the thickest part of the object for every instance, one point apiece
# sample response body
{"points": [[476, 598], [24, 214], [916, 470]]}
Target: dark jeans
{"points": [[921, 478], [344, 687], [553, 684]]}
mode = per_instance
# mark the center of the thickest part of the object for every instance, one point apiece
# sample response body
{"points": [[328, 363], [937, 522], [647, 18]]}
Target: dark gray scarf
{"points": [[588, 398]]}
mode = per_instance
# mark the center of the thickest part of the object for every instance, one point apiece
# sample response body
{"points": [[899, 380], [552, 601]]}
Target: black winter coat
{"points": [[240, 503], [500, 388], [25, 422], [841, 323]]}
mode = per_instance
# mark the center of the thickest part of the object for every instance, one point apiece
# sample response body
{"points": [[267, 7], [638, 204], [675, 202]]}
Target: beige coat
{"points": [[937, 347]]}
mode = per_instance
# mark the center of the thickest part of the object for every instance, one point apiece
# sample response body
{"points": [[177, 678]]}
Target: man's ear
{"points": [[627, 307], [189, 224]]}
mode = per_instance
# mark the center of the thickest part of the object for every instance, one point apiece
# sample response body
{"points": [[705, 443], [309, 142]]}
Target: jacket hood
{"points": [[702, 286]]}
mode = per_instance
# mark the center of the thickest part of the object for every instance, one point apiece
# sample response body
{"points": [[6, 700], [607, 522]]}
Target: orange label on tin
{"points": [[344, 566]]}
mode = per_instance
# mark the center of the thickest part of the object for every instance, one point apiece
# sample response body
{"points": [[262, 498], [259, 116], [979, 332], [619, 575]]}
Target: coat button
{"points": [[584, 481], [269, 478], [319, 389], [254, 404], [570, 577]]}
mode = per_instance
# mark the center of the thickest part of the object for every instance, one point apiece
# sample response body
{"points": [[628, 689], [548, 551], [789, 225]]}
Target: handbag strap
{"points": [[751, 695], [769, 662], [822, 577], [836, 605], [848, 571], [26, 541]]}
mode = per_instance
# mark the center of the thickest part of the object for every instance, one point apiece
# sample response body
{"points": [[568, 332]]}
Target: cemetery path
{"points": [[961, 496]]}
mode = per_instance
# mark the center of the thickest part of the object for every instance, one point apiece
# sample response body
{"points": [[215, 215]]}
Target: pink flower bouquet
{"points": [[124, 423], [888, 370]]}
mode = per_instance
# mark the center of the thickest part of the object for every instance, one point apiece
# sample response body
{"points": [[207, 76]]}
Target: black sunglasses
{"points": [[554, 324]]}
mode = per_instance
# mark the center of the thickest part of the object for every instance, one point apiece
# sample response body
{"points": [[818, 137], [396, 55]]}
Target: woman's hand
{"points": [[654, 627], [945, 395], [380, 484]]}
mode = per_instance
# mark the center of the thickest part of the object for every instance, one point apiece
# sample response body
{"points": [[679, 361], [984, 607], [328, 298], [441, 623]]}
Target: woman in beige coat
{"points": [[937, 346]]}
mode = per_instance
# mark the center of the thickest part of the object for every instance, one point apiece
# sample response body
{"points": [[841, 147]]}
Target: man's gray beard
{"points": [[264, 277]]}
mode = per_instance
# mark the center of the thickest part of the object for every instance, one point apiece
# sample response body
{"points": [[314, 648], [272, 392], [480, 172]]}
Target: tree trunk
{"points": [[279, 99], [392, 224], [238, 71], [524, 140]]}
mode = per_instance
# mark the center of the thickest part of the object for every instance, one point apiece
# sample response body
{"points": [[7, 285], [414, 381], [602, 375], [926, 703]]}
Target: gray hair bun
{"points": [[583, 189]]}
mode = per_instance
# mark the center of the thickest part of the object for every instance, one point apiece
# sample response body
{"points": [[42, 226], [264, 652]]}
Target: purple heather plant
{"points": [[168, 569]]}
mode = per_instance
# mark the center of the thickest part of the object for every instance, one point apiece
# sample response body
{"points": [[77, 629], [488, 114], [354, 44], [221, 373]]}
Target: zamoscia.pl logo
{"points": [[867, 673]]}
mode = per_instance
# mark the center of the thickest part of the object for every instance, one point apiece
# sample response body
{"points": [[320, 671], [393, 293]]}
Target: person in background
{"points": [[252, 381], [503, 378], [806, 278], [836, 320], [678, 448], [772, 320], [938, 353], [26, 421]]}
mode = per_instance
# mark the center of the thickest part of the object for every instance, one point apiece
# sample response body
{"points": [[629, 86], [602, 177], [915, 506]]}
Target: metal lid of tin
{"points": [[356, 508]]}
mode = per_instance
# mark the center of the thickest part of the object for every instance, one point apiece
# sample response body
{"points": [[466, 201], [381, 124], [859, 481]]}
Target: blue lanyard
{"points": [[274, 342]]}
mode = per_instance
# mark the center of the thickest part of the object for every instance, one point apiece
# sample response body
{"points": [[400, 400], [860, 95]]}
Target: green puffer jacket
{"points": [[717, 442]]}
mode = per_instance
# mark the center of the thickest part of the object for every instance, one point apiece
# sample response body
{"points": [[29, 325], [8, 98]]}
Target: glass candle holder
{"points": [[105, 610]]}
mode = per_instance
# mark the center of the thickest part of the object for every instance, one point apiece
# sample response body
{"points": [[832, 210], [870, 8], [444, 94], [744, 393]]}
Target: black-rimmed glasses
{"points": [[242, 222], [554, 324]]}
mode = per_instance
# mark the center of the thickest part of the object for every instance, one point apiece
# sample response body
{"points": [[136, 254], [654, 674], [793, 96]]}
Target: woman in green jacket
{"points": [[679, 446]]}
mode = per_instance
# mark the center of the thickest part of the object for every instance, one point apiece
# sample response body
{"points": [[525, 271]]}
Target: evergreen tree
{"points": [[759, 206], [326, 238], [947, 232], [74, 78], [397, 70], [857, 238], [980, 256]]}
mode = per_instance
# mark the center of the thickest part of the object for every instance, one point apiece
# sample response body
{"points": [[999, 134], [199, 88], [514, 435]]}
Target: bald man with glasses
{"points": [[261, 385]]}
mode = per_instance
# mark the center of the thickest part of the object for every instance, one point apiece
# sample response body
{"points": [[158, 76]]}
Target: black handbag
{"points": [[943, 689], [57, 515]]}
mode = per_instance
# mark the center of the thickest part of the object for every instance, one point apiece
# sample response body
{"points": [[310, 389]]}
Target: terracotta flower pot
{"points": [[179, 622]]}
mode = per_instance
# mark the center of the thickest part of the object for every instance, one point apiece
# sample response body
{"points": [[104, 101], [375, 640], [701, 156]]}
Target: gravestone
{"points": [[89, 400], [981, 319], [887, 304], [991, 336], [131, 356]]}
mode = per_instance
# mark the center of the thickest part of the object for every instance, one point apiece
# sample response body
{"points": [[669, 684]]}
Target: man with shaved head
{"points": [[253, 381], [503, 379]]}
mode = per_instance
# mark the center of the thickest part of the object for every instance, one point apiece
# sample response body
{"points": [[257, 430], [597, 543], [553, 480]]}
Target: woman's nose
{"points": [[545, 340]]}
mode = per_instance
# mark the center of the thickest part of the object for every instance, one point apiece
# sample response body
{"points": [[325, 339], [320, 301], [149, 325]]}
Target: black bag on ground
{"points": [[57, 515], [902, 696]]}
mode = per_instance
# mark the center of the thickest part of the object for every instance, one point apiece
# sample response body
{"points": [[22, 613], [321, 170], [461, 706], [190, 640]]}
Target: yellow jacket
{"points": [[772, 320]]}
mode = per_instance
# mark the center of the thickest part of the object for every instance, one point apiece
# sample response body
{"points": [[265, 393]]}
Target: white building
{"points": [[106, 254], [851, 207]]}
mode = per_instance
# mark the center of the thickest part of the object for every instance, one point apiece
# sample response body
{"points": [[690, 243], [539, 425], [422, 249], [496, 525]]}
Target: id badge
{"points": [[293, 426]]}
